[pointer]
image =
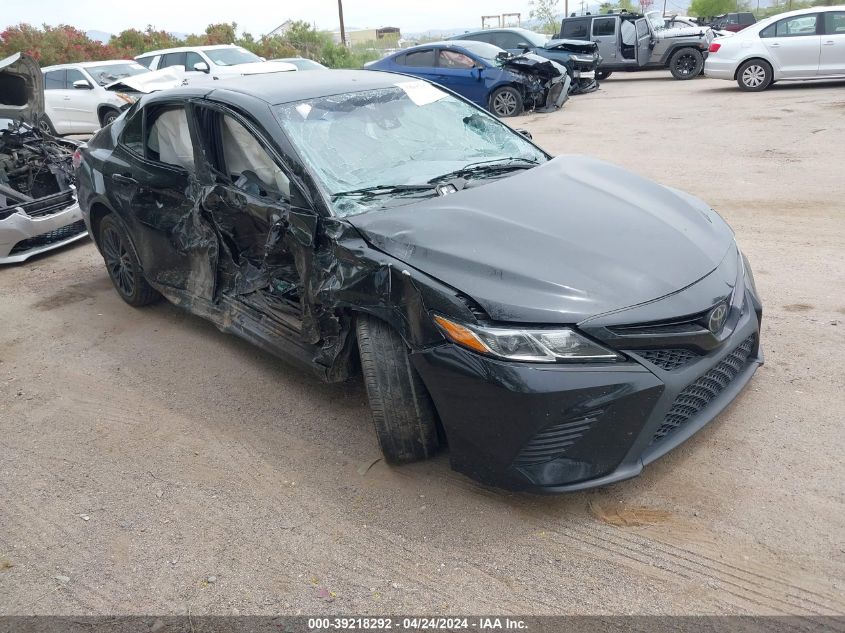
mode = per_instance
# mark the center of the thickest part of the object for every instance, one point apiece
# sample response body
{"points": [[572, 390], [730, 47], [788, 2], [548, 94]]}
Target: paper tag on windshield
{"points": [[420, 92], [304, 110]]}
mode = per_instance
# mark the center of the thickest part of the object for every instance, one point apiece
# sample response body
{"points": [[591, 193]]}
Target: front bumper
{"points": [[23, 235], [719, 68], [560, 428]]}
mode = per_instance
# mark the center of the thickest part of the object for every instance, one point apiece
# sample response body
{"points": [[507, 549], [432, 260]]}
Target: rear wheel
{"points": [[403, 413], [601, 75], [506, 101], [754, 75], [123, 266], [686, 63]]}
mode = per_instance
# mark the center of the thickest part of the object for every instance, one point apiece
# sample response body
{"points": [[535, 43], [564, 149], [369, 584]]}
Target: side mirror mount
{"points": [[525, 133], [479, 72], [524, 46], [82, 84], [201, 67]]}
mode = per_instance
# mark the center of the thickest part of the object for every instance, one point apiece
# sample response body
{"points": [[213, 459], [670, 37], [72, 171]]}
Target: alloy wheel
{"points": [[505, 103], [118, 262], [685, 64], [754, 76]]}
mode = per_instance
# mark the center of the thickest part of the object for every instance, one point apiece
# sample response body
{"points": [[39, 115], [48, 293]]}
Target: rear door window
{"points": [[576, 29], [172, 59], [604, 26], [796, 26], [834, 22], [54, 80], [132, 134], [169, 137], [419, 59]]}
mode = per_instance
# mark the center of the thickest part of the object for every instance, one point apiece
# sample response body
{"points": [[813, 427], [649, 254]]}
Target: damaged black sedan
{"points": [[558, 323]]}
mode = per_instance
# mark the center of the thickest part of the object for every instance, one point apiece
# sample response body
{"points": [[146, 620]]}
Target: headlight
{"points": [[127, 98], [749, 276], [534, 345]]}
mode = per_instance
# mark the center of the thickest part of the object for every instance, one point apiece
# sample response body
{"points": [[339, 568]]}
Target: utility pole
{"points": [[566, 8], [342, 28]]}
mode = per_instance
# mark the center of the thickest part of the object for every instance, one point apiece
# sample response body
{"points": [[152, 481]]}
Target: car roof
{"points": [[107, 62], [185, 49], [503, 29], [275, 90]]}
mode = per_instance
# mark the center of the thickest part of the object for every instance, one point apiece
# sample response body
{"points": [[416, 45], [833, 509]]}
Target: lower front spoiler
{"points": [[504, 421], [22, 236]]}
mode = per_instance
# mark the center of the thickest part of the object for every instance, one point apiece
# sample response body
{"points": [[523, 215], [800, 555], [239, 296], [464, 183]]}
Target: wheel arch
{"points": [[104, 108], [100, 210], [664, 60], [758, 58]]}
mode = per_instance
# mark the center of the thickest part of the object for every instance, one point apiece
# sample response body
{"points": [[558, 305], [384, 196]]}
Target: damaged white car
{"points": [[38, 207]]}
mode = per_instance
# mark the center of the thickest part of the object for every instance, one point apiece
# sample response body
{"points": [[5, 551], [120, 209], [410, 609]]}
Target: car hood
{"points": [[682, 31], [533, 64], [21, 89], [150, 82], [572, 46], [254, 68], [564, 241]]}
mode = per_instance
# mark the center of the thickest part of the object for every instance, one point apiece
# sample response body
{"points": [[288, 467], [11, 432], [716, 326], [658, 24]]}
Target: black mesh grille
{"points": [[700, 393], [554, 441], [50, 238], [669, 359]]}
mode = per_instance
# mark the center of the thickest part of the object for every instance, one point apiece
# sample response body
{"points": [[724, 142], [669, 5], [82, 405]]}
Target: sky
{"points": [[256, 16]]}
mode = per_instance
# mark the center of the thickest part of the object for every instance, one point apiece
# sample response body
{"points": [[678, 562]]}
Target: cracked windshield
{"points": [[392, 146]]}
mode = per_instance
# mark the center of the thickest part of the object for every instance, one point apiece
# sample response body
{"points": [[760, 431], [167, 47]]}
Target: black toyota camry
{"points": [[556, 322]]}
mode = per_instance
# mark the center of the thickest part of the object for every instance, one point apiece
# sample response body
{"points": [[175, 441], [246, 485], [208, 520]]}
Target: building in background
{"points": [[387, 36]]}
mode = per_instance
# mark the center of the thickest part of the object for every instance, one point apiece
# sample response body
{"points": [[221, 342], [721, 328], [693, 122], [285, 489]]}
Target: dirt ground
{"points": [[150, 464]]}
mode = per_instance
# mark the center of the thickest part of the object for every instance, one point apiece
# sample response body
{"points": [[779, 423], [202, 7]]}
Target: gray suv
{"points": [[631, 42]]}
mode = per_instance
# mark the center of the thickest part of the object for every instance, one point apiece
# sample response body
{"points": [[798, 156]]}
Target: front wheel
{"points": [[601, 75], [109, 116], [686, 63], [124, 268], [754, 75], [46, 125], [506, 101], [403, 413]]}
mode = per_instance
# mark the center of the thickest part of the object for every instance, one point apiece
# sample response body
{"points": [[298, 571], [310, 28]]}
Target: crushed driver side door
{"points": [[265, 226]]}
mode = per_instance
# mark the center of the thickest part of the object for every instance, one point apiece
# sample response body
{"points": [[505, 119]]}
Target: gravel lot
{"points": [[150, 464]]}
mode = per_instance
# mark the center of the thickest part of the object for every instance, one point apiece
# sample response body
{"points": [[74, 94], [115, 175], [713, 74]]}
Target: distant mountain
{"points": [[99, 36]]}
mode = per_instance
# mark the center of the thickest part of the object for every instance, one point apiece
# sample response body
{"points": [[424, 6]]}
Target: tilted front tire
{"points": [[122, 265], [601, 75], [403, 413]]}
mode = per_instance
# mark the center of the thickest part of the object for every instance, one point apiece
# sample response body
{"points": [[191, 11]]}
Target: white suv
{"points": [[217, 61], [76, 100]]}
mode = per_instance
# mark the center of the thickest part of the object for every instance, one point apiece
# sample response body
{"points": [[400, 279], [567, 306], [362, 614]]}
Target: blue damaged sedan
{"points": [[487, 75]]}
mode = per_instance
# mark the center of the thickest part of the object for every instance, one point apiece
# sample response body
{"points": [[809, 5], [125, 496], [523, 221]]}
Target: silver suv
{"points": [[631, 42]]}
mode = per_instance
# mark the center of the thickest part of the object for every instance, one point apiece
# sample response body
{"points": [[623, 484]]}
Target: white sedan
{"points": [[795, 46]]}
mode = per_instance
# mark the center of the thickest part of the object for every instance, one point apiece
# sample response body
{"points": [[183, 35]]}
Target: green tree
{"points": [[221, 33], [709, 8], [625, 5], [546, 11]]}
